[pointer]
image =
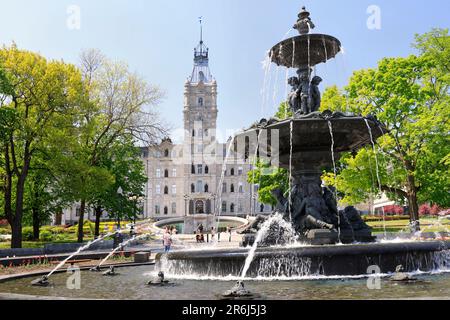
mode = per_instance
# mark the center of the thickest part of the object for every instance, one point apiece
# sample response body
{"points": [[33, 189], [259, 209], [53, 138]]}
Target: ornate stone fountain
{"points": [[310, 142]]}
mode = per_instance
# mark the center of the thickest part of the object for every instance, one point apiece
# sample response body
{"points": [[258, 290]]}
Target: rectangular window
{"points": [[224, 207], [157, 209], [158, 173], [240, 171], [158, 189], [174, 189], [200, 148], [200, 169], [174, 173], [77, 211], [224, 188], [174, 208], [199, 186]]}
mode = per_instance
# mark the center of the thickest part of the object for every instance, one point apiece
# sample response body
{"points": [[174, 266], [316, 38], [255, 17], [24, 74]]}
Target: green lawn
{"points": [[427, 225]]}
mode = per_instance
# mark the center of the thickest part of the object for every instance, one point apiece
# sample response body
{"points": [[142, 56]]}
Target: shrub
{"points": [[27, 233], [4, 223], [46, 236], [393, 210], [4, 231], [425, 210], [435, 210]]}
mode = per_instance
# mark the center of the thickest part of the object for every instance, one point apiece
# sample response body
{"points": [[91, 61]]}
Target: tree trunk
{"points": [[16, 235], [98, 215], [413, 204], [16, 241], [36, 224], [81, 221]]}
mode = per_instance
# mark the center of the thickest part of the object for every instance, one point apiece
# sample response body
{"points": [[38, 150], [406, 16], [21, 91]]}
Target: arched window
{"points": [[201, 76], [224, 206], [166, 190], [206, 170], [166, 210], [232, 208], [192, 188], [166, 153], [206, 132], [232, 172], [247, 149], [232, 188], [206, 188], [193, 133], [166, 173], [200, 102]]}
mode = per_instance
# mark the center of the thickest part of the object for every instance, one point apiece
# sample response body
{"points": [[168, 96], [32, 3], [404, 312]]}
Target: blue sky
{"points": [[156, 38]]}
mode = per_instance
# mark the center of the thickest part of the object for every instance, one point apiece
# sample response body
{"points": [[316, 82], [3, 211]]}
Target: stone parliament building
{"points": [[187, 179]]}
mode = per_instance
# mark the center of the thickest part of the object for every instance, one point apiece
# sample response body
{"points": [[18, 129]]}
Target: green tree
{"points": [[121, 104], [410, 96], [39, 102], [124, 163], [268, 179]]}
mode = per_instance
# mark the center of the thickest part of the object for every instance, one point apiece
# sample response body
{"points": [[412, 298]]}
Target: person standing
{"points": [[167, 241]]}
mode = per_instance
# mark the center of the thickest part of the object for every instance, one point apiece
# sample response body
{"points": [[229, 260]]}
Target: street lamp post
{"points": [[186, 198], [214, 197]]}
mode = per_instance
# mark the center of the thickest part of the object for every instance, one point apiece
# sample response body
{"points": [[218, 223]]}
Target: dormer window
{"points": [[200, 102]]}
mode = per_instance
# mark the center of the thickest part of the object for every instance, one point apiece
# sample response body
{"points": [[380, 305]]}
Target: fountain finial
{"points": [[304, 23]]}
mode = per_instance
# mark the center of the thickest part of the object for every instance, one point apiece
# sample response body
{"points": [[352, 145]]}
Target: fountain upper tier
{"points": [[311, 139], [305, 50]]}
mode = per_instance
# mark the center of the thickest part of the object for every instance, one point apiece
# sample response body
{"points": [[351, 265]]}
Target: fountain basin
{"points": [[293, 52], [301, 261]]}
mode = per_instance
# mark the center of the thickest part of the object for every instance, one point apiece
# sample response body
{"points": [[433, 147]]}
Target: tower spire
{"points": [[201, 29], [201, 72]]}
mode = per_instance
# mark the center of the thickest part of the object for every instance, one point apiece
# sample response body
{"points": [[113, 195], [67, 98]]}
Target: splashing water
{"points": [[288, 236], [254, 162], [222, 178], [377, 170], [87, 246], [291, 151], [330, 126], [121, 246]]}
